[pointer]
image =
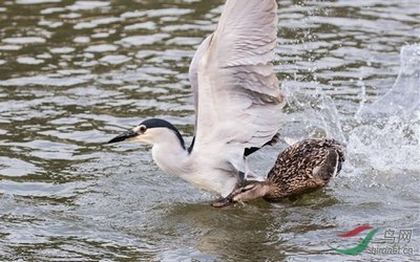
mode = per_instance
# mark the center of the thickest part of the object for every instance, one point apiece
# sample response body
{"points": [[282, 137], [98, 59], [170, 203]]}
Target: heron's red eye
{"points": [[142, 128]]}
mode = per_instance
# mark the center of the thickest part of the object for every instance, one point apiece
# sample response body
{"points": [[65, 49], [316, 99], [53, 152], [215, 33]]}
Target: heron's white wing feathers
{"points": [[193, 71], [238, 100]]}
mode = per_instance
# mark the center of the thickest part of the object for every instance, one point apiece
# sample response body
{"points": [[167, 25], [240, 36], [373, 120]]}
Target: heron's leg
{"points": [[241, 180], [228, 200]]}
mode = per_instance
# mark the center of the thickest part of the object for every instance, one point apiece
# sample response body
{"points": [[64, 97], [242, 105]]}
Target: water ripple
{"points": [[75, 73]]}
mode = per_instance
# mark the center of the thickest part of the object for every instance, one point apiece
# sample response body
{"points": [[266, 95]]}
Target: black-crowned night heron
{"points": [[237, 101]]}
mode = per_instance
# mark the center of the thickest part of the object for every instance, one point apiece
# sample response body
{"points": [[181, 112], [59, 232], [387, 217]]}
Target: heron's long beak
{"points": [[124, 136]]}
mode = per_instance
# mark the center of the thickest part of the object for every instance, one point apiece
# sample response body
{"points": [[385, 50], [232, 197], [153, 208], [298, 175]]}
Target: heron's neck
{"points": [[171, 156]]}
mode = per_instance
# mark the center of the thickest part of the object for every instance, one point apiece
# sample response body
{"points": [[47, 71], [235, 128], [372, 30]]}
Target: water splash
{"points": [[403, 99], [311, 116], [384, 135], [388, 133]]}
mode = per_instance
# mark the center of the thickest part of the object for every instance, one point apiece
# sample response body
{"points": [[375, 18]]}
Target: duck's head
{"points": [[252, 190]]}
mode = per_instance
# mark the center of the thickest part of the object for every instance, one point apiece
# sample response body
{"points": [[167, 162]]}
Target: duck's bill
{"points": [[124, 136]]}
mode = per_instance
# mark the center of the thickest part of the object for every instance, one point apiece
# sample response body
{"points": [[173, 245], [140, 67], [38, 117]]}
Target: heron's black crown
{"points": [[160, 123]]}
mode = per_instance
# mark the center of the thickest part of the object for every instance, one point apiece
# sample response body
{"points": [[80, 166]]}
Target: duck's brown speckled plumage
{"points": [[304, 167], [301, 168]]}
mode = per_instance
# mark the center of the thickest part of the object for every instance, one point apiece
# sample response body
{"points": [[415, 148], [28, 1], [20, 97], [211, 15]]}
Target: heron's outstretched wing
{"points": [[193, 71], [237, 98], [193, 75]]}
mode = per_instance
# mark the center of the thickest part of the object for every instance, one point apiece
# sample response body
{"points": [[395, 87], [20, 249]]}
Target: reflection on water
{"points": [[73, 73]]}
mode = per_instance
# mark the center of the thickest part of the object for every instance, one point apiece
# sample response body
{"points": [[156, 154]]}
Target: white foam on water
{"points": [[391, 147]]}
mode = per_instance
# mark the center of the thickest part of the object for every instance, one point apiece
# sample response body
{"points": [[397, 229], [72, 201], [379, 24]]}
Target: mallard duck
{"points": [[301, 168]]}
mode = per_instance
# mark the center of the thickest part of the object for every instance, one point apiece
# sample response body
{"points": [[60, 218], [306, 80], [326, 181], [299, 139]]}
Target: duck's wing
{"points": [[237, 98]]}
